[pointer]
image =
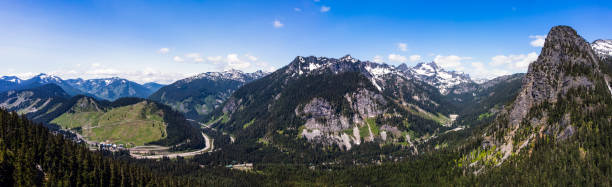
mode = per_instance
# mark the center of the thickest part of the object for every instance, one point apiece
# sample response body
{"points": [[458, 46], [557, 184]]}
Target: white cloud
{"points": [[397, 58], [214, 58], [251, 57], [414, 58], [108, 72], [514, 61], [325, 8], [378, 59], [22, 75], [402, 46], [95, 65], [245, 62], [196, 57], [451, 61], [539, 40], [233, 62], [264, 66], [297, 9], [178, 59], [143, 75], [277, 24], [479, 70], [163, 50]]}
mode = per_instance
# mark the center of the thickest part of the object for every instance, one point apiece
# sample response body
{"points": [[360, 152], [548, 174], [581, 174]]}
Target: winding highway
{"points": [[209, 146]]}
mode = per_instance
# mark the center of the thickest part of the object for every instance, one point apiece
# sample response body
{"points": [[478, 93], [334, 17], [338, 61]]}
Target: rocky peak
{"points": [[403, 67], [320, 65], [348, 58], [434, 75], [430, 73], [316, 65], [563, 50], [566, 63], [44, 78]]}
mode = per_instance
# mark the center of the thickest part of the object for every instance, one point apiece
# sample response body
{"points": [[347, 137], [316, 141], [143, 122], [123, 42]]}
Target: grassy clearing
{"points": [[137, 124], [438, 117], [372, 123], [488, 157], [225, 118], [248, 124], [484, 115], [363, 131]]}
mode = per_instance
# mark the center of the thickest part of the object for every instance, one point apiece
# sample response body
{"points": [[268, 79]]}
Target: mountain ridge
{"points": [[198, 95]]}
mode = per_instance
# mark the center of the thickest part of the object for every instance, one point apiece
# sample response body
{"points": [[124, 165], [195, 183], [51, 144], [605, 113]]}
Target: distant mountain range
{"points": [[113, 88], [108, 88]]}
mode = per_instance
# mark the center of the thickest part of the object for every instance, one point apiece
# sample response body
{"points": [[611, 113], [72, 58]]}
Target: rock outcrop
{"points": [[567, 71]]}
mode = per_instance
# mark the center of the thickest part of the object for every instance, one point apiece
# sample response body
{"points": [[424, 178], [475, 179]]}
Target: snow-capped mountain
{"points": [[602, 47], [107, 88], [111, 88], [429, 73], [9, 82], [436, 76], [42, 79], [232, 74], [12, 79], [302, 66]]}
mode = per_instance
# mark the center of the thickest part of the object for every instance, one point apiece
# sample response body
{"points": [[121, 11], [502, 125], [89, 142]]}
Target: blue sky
{"points": [[164, 41]]}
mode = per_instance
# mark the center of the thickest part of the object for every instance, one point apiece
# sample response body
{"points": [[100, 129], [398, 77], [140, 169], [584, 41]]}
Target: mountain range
{"points": [[345, 103], [113, 88], [108, 88]]}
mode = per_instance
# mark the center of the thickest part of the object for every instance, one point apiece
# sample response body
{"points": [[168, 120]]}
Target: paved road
{"points": [[209, 146]]}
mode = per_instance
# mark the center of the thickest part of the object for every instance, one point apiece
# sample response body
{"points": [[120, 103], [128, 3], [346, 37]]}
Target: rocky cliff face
{"points": [[326, 126], [561, 88], [564, 52]]}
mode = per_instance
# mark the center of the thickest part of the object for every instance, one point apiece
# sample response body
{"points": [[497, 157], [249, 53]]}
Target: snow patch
{"points": [[603, 47], [378, 71], [375, 84], [313, 66]]}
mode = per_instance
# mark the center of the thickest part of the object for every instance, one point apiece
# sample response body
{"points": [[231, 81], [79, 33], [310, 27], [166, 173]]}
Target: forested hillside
{"points": [[30, 155]]}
